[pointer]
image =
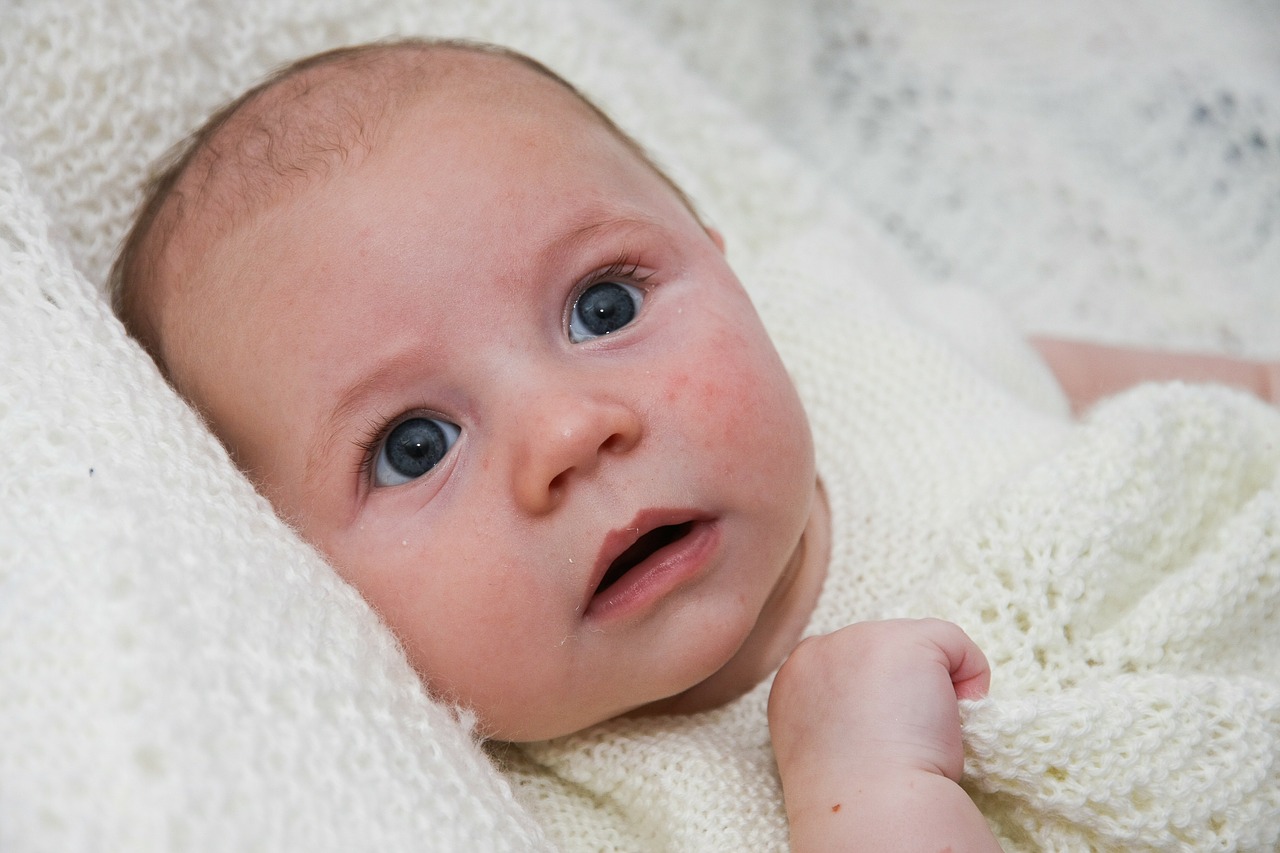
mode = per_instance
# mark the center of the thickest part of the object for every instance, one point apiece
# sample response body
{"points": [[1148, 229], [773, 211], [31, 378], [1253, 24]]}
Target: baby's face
{"points": [[503, 379]]}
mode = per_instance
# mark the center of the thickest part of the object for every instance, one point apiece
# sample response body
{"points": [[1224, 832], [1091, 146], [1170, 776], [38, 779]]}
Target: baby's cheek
{"points": [[743, 401], [676, 387]]}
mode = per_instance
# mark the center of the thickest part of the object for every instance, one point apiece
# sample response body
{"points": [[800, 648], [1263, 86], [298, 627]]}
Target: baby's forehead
{"points": [[289, 133], [320, 118], [314, 122]]}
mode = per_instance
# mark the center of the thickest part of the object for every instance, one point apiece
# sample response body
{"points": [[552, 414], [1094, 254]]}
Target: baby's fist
{"points": [[876, 695]]}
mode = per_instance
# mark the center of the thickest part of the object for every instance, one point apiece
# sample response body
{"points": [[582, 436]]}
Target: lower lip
{"points": [[659, 574]]}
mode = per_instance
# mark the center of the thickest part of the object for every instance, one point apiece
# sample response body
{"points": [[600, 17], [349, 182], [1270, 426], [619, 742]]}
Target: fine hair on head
{"points": [[297, 126]]}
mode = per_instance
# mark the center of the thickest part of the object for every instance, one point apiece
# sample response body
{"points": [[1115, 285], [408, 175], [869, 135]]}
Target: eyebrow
{"points": [[575, 237], [352, 398]]}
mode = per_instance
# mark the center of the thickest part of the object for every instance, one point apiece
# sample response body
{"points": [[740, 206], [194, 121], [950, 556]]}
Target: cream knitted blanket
{"points": [[178, 671], [1123, 577]]}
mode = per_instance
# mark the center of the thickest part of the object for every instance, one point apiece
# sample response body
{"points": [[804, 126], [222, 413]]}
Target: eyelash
{"points": [[370, 440], [624, 267]]}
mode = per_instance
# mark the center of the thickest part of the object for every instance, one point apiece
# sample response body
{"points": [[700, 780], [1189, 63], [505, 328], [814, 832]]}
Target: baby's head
{"points": [[476, 348]]}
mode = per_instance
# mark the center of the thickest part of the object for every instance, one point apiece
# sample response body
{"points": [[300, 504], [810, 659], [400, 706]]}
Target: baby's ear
{"points": [[716, 237]]}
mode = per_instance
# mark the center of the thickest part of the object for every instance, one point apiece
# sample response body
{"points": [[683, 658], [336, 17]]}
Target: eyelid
{"points": [[371, 441], [624, 269]]}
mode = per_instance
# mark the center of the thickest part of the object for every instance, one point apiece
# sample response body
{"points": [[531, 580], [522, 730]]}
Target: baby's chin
{"points": [[527, 731], [732, 677], [702, 694], [552, 727], [735, 644]]}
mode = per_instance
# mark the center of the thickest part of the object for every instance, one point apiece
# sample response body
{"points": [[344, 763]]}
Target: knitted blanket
{"points": [[179, 671], [1122, 575]]}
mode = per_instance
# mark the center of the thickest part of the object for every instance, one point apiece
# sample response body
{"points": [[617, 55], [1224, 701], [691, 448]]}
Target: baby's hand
{"points": [[866, 732]]}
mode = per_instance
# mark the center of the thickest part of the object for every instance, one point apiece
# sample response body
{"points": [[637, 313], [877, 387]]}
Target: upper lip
{"points": [[617, 541]]}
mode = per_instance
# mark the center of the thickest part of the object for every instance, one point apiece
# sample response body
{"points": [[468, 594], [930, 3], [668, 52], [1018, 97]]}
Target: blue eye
{"points": [[603, 308], [412, 449]]}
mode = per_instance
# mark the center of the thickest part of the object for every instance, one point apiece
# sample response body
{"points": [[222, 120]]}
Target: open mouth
{"points": [[640, 550]]}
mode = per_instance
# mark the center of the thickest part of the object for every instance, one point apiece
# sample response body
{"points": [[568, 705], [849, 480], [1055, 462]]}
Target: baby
{"points": [[484, 355]]}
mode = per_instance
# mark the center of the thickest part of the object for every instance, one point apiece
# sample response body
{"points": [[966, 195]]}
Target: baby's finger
{"points": [[968, 666]]}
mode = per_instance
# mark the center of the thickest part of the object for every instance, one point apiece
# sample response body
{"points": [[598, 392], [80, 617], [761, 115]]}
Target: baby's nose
{"points": [[563, 438]]}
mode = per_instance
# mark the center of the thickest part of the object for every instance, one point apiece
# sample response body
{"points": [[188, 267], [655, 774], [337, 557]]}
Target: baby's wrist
{"points": [[874, 765], [875, 754], [885, 809]]}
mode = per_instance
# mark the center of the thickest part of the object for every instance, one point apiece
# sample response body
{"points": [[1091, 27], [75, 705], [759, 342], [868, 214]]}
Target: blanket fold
{"points": [[1127, 594]]}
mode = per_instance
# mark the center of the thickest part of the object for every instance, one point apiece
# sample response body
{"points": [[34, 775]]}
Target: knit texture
{"points": [[1123, 577], [178, 671]]}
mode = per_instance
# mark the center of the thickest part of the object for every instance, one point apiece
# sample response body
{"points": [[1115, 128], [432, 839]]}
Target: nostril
{"points": [[617, 442], [614, 443]]}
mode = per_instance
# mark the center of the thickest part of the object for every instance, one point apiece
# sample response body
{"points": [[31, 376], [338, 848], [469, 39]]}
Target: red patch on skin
{"points": [[675, 387]]}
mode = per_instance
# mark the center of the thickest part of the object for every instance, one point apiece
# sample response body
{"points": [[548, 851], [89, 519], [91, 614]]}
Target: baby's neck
{"points": [[777, 631]]}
